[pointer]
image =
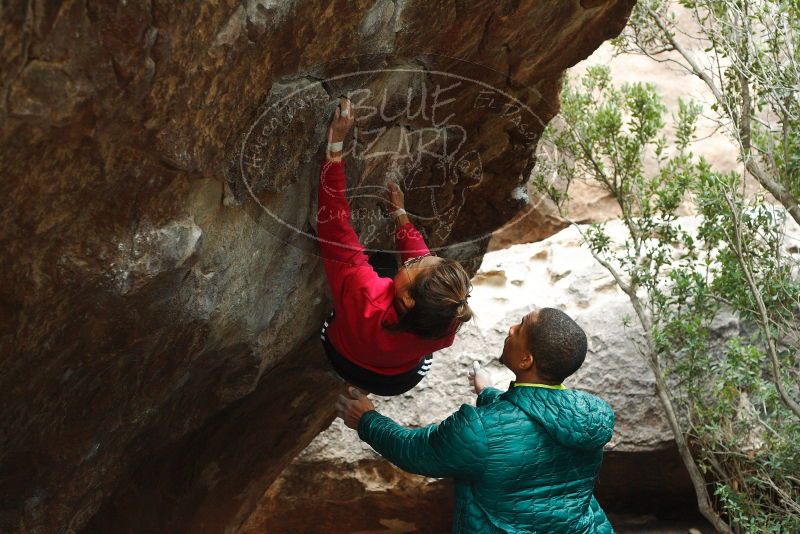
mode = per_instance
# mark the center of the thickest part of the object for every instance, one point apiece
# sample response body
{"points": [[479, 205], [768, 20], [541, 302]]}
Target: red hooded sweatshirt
{"points": [[363, 301]]}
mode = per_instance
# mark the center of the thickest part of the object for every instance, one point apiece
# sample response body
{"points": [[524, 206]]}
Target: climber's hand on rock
{"points": [[342, 121], [350, 409], [479, 378], [395, 197], [396, 200]]}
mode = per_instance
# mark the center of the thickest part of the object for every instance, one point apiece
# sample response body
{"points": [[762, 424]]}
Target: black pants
{"points": [[383, 385]]}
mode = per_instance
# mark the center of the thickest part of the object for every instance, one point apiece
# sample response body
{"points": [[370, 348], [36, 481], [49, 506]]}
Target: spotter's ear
{"points": [[526, 363]]}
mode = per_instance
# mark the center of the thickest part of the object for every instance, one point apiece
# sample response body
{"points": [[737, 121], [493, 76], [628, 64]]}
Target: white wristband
{"points": [[398, 212], [336, 147]]}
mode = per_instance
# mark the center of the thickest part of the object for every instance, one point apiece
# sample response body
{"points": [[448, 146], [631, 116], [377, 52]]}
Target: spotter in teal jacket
{"points": [[524, 461]]}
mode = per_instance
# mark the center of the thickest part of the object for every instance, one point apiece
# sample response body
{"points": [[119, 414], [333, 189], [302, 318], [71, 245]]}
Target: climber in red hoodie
{"points": [[383, 331]]}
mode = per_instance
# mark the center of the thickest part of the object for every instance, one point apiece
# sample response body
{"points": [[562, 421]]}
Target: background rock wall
{"points": [[159, 288], [588, 202]]}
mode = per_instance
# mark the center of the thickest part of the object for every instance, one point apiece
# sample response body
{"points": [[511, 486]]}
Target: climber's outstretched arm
{"points": [[342, 253], [338, 241], [409, 241]]}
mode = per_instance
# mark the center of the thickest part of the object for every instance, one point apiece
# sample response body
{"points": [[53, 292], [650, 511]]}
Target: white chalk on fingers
{"points": [[344, 105], [476, 366]]}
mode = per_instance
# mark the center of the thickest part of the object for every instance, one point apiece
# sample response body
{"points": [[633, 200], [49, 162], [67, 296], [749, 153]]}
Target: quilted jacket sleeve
{"points": [[488, 396], [455, 447], [601, 522]]}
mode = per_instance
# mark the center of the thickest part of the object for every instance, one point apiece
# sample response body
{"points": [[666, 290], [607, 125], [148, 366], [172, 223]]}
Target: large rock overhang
{"points": [[159, 298]]}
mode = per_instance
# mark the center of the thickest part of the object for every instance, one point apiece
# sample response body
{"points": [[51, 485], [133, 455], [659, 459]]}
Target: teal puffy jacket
{"points": [[524, 461]]}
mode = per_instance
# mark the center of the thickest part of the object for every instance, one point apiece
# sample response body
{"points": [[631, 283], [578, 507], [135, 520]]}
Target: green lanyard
{"points": [[546, 386]]}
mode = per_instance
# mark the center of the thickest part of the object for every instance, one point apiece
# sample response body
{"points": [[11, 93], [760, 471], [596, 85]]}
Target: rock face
{"points": [[641, 467], [159, 289]]}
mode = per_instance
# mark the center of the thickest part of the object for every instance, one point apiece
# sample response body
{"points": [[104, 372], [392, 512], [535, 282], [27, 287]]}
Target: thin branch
{"points": [[763, 316], [772, 185], [704, 503]]}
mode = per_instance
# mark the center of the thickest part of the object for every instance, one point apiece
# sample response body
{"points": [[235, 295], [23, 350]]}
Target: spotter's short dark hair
{"points": [[557, 343]]}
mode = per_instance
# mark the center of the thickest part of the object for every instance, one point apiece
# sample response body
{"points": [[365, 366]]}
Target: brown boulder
{"points": [[159, 289]]}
